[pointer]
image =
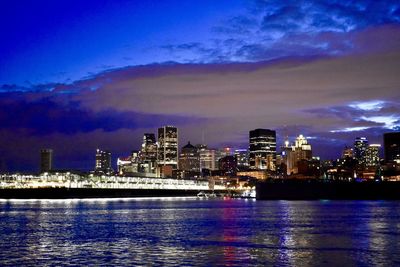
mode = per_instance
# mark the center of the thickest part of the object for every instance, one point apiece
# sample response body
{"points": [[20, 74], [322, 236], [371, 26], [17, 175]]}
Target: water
{"points": [[192, 232]]}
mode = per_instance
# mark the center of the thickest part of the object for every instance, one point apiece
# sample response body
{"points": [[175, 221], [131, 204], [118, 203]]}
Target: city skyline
{"points": [[78, 76], [260, 141]]}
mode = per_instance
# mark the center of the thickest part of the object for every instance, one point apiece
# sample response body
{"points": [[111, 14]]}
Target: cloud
{"points": [[358, 116], [222, 102], [274, 29], [45, 116]]}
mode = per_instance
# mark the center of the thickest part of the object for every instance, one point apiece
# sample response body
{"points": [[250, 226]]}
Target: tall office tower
{"points": [[392, 146], [168, 147], [148, 153], [103, 161], [262, 149], [189, 159], [360, 149], [46, 160], [372, 155], [242, 158]]}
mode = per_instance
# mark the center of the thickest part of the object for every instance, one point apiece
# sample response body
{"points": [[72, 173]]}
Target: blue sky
{"points": [[58, 41], [77, 75]]}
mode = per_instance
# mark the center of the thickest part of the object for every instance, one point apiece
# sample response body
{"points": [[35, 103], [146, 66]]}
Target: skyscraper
{"points": [[46, 160], [392, 146], [168, 147], [360, 149], [262, 149], [103, 161], [148, 153]]}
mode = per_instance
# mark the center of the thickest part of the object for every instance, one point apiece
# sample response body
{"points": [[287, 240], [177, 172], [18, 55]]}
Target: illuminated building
{"points": [[129, 165], [189, 160], [148, 153], [392, 146], [46, 160], [262, 154], [372, 155], [242, 158], [360, 149], [168, 147], [103, 161], [292, 155]]}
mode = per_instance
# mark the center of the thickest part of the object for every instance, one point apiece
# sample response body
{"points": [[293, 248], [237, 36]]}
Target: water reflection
{"points": [[186, 232]]}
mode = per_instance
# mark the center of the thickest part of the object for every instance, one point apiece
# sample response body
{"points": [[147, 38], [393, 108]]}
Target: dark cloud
{"points": [[315, 96], [326, 15], [273, 29], [46, 116]]}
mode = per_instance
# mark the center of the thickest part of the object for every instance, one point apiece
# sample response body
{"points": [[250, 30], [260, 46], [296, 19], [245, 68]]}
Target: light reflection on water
{"points": [[188, 232]]}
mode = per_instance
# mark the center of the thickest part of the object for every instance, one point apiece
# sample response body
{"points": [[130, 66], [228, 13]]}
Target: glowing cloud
{"points": [[368, 106], [389, 121]]}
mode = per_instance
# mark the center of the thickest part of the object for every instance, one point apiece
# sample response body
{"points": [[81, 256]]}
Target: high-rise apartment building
{"points": [[262, 149], [46, 160], [168, 147], [392, 146]]}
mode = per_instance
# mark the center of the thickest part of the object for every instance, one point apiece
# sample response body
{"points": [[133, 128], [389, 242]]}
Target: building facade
{"points": [[228, 165], [209, 159], [392, 146], [242, 158], [292, 155], [189, 159], [103, 162], [372, 158], [167, 154], [262, 149], [46, 160], [148, 153], [360, 150]]}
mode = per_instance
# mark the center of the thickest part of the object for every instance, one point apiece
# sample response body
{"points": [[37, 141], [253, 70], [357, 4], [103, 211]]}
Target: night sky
{"points": [[81, 75]]}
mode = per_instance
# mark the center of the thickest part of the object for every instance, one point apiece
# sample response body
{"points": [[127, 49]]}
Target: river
{"points": [[199, 232]]}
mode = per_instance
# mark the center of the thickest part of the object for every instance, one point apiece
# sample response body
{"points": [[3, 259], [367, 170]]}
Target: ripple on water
{"points": [[194, 232]]}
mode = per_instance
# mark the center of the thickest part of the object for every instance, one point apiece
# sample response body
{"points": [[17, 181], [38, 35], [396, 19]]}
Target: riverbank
{"points": [[321, 189]]}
